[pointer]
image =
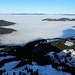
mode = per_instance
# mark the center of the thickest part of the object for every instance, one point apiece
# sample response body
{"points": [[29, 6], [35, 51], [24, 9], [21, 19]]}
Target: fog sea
{"points": [[31, 27]]}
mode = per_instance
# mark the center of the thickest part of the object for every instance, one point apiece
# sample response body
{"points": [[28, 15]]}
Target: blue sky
{"points": [[38, 6]]}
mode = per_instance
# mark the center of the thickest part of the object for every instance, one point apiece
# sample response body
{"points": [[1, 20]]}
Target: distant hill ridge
{"points": [[60, 19]]}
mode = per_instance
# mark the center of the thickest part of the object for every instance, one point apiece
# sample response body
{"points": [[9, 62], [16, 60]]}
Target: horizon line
{"points": [[37, 13]]}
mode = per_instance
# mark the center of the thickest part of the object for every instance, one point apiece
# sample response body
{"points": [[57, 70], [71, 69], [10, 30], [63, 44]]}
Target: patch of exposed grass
{"points": [[61, 44]]}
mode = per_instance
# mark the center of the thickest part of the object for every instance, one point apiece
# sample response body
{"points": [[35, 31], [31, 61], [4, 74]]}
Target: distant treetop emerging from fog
{"points": [[60, 19]]}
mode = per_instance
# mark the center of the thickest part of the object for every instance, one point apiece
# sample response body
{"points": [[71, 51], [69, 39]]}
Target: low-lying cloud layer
{"points": [[32, 27]]}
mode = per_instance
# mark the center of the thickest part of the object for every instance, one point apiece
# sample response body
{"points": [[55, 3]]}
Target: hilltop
{"points": [[6, 23]]}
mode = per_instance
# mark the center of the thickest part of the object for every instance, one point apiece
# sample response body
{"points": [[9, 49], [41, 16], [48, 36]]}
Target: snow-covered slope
{"points": [[42, 70], [42, 58]]}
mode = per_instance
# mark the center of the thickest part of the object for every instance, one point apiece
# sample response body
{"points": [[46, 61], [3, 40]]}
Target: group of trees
{"points": [[25, 71]]}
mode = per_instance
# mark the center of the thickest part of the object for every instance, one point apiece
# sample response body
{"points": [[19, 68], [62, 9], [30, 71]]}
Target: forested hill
{"points": [[58, 52], [6, 30], [6, 23], [60, 19]]}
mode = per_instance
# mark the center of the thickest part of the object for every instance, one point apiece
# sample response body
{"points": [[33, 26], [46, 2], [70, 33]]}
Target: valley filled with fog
{"points": [[31, 27]]}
